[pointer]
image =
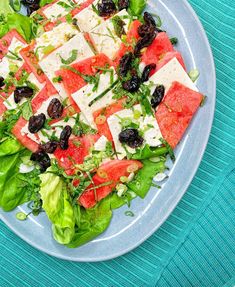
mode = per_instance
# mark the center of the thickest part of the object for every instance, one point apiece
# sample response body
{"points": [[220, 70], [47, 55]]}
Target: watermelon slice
{"points": [[79, 147], [73, 82], [30, 58], [5, 41], [155, 52], [131, 38], [176, 111], [104, 114], [111, 172], [23, 139], [168, 57]]}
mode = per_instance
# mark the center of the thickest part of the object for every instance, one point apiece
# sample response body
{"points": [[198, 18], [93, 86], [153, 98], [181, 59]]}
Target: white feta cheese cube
{"points": [[51, 40], [104, 37], [85, 96], [171, 72], [58, 9], [101, 143], [53, 63]]}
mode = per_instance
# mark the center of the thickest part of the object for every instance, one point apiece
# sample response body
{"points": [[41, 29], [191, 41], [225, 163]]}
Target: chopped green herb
{"points": [[58, 79], [26, 110], [203, 101], [129, 213], [174, 40], [169, 149], [71, 59], [118, 25], [21, 216], [194, 75]]}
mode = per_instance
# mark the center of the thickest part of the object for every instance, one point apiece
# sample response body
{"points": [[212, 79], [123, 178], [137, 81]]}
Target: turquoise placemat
{"points": [[196, 246]]}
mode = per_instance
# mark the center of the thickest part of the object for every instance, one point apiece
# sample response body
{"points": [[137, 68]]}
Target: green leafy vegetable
{"points": [[57, 207], [71, 59], [45, 2], [19, 22], [26, 110], [15, 188], [91, 222], [143, 180], [149, 152], [136, 7], [16, 5]]}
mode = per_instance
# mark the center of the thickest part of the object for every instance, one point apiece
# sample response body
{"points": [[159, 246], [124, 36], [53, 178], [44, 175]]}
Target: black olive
{"points": [[145, 29], [147, 71], [157, 96], [132, 85], [64, 137], [131, 138], [32, 5], [148, 19], [125, 64], [144, 42], [49, 147], [55, 109], [42, 159], [30, 2], [36, 123], [106, 8], [123, 4], [1, 82], [22, 92]]}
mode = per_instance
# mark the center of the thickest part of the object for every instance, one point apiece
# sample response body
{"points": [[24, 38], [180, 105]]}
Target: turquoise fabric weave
{"points": [[196, 246]]}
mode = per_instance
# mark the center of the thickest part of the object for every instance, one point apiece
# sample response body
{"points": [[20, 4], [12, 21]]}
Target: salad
{"points": [[94, 97]]}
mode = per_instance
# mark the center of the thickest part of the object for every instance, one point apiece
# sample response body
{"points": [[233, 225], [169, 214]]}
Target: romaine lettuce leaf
{"points": [[57, 207]]}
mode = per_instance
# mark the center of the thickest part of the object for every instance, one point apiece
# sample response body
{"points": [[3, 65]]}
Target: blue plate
{"points": [[125, 233]]}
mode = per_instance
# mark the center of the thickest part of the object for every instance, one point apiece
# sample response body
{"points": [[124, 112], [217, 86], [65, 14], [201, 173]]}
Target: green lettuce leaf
{"points": [[57, 207], [45, 2], [91, 222], [136, 7], [5, 7], [143, 180], [14, 189], [10, 20]]}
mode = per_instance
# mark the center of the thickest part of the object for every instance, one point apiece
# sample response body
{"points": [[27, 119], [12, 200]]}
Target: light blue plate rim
{"points": [[125, 248]]}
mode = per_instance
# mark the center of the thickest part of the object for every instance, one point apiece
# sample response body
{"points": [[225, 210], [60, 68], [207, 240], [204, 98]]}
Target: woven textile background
{"points": [[196, 246]]}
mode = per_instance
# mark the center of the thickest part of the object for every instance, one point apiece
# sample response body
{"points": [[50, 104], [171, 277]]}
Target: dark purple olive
{"points": [[148, 19], [123, 4], [48, 147], [157, 96], [64, 137], [1, 82], [146, 73], [36, 123], [125, 64], [131, 138], [132, 85], [42, 159], [106, 8], [144, 42], [31, 5], [22, 92], [145, 29], [55, 109]]}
